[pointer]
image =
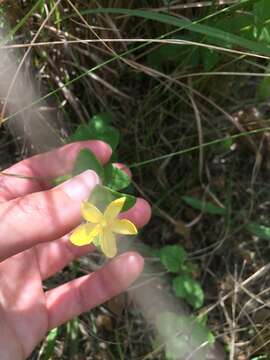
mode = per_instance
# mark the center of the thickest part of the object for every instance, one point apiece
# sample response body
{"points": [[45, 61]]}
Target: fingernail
{"points": [[80, 187]]}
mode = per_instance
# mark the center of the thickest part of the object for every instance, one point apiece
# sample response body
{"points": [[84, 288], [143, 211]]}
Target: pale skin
{"points": [[35, 221]]}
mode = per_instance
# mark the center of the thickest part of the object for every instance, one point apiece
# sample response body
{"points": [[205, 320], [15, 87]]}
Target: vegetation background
{"points": [[187, 85]]}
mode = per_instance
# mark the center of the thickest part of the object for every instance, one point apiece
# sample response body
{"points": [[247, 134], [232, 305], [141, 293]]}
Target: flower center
{"points": [[103, 223]]}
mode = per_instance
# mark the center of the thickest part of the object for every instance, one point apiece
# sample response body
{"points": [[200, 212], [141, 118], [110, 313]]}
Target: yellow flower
{"points": [[102, 225]]}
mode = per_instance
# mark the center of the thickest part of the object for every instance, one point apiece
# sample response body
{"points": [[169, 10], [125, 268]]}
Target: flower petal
{"points": [[114, 209], [124, 227], [84, 234], [108, 243], [91, 213]]}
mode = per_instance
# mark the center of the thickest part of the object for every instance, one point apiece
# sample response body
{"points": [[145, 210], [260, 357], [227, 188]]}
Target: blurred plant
{"points": [[183, 335]]}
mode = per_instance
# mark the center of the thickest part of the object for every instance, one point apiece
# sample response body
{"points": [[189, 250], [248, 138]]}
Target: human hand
{"points": [[34, 223]]}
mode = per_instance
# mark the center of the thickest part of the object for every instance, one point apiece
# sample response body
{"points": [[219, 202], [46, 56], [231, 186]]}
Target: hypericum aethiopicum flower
{"points": [[104, 226]]}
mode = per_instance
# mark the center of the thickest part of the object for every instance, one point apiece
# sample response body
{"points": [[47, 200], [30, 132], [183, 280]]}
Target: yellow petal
{"points": [[84, 234], [114, 209], [108, 243], [91, 213], [124, 227]]}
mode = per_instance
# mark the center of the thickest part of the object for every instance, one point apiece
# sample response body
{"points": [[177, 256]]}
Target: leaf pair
{"points": [[174, 259]]}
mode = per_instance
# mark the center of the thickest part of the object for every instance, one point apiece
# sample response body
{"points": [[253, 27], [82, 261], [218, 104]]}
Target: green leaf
{"points": [[262, 11], [101, 120], [173, 257], [87, 160], [72, 337], [261, 231], [101, 196], [206, 207], [82, 133], [98, 128], [190, 290], [236, 23], [110, 135], [115, 178], [48, 351]]}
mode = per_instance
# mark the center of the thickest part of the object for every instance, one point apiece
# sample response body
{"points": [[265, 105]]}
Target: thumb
{"points": [[43, 216]]}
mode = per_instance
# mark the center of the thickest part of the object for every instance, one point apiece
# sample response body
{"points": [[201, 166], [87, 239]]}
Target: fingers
{"points": [[139, 214], [55, 255], [51, 164], [43, 216], [83, 294]]}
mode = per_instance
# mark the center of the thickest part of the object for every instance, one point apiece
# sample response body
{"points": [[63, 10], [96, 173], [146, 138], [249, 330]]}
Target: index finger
{"points": [[41, 168]]}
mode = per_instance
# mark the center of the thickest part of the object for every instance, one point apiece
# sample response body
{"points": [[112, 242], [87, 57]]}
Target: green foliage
{"points": [[174, 54], [261, 11], [183, 335], [212, 34], [50, 342], [87, 160], [173, 257], [261, 231], [190, 290], [209, 58], [72, 336], [100, 121], [263, 90], [167, 54], [206, 207], [102, 196], [115, 178], [98, 128], [248, 30]]}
